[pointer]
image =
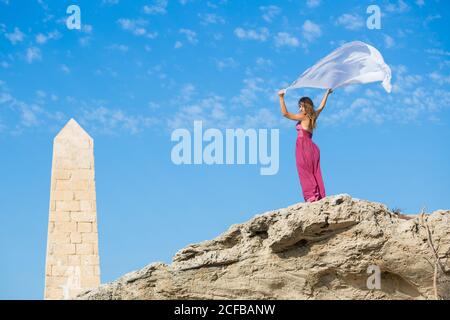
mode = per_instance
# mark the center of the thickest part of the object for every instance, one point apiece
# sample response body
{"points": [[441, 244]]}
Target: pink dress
{"points": [[307, 155]]}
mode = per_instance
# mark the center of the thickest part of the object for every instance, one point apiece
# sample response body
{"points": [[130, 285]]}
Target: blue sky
{"points": [[139, 69]]}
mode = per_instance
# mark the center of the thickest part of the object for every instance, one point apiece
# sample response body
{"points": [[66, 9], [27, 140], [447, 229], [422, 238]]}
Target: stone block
{"points": [[64, 226], [61, 174], [90, 281], [89, 260], [75, 237], [84, 195], [84, 248], [74, 260], [73, 205], [84, 227], [62, 195], [59, 270], [63, 248], [83, 174], [91, 237], [59, 216], [82, 216]]}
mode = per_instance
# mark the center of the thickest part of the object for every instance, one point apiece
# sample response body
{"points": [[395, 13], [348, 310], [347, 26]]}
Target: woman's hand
{"points": [[281, 93], [329, 91]]}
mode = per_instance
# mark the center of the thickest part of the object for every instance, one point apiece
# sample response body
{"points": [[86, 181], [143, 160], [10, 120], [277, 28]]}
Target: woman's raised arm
{"points": [[324, 101], [285, 112]]}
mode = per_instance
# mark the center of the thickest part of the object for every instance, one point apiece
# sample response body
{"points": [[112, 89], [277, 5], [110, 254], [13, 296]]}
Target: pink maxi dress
{"points": [[307, 155]]}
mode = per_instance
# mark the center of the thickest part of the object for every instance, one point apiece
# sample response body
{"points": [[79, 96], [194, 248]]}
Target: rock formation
{"points": [[319, 250]]}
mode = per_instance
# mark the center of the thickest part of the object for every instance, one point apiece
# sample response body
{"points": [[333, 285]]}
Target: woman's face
{"points": [[300, 107]]}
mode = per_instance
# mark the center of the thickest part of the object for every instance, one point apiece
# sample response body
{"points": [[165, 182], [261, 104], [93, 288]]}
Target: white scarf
{"points": [[354, 62]]}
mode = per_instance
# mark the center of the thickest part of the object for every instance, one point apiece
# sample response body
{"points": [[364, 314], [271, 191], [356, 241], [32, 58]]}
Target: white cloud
{"points": [[118, 47], [5, 97], [16, 36], [269, 12], [178, 44], [210, 18], [210, 110], [87, 28], [84, 41], [350, 21], [262, 118], [42, 38], [41, 94], [252, 91], [191, 35], [65, 69], [226, 63], [285, 39], [136, 27], [420, 3], [413, 97], [313, 3], [261, 35], [399, 7], [33, 54], [263, 62], [111, 121], [158, 7], [431, 18], [110, 2], [440, 78], [389, 42], [311, 31], [439, 52]]}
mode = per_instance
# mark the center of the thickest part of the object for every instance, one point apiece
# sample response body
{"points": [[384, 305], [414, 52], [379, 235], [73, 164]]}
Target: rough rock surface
{"points": [[319, 250]]}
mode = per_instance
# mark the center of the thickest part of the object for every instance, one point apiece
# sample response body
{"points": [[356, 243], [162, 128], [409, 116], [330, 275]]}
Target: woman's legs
{"points": [[308, 168], [318, 176], [305, 159]]}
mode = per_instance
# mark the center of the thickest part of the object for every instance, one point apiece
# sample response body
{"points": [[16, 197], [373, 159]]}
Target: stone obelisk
{"points": [[72, 263]]}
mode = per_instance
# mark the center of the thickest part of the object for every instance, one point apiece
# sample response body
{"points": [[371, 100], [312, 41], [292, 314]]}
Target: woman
{"points": [[307, 153]]}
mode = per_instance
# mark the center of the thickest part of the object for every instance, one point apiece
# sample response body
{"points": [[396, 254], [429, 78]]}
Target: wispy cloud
{"points": [[65, 69], [33, 54], [210, 18], [311, 31], [110, 2], [114, 121], [269, 12], [413, 98], [118, 47], [313, 3], [420, 3], [389, 42], [286, 39], [191, 36], [136, 27], [43, 38], [399, 7], [350, 21], [157, 7], [226, 63], [260, 34], [16, 36]]}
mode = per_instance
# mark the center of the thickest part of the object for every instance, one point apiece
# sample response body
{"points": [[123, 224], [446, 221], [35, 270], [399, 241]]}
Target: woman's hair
{"points": [[308, 106]]}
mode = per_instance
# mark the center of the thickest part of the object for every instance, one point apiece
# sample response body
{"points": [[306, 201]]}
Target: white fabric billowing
{"points": [[354, 62]]}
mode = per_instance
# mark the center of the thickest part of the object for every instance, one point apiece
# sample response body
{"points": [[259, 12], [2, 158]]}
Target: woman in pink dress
{"points": [[307, 153]]}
